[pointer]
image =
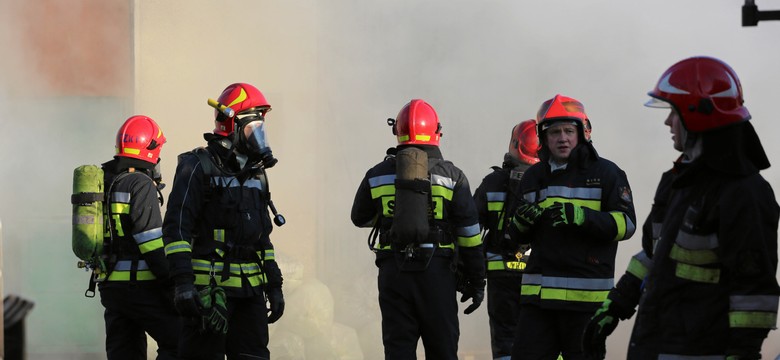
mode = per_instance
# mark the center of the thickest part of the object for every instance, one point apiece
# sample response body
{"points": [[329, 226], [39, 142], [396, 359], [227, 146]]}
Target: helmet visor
{"points": [[657, 103], [254, 134]]}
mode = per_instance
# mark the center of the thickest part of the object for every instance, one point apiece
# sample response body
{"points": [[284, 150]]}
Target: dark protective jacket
{"points": [[453, 211], [625, 296], [135, 247], [217, 226], [495, 198], [712, 288], [572, 268]]}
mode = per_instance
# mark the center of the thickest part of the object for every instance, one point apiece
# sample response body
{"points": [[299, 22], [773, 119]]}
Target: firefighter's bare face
{"points": [[561, 140], [674, 123]]}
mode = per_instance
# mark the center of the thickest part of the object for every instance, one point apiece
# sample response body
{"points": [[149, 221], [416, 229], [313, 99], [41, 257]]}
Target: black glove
{"points": [[276, 304], [526, 216], [215, 316], [601, 325], [187, 300], [473, 289], [566, 214]]}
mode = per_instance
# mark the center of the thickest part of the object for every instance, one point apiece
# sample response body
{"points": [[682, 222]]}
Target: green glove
{"points": [[601, 325], [526, 215], [566, 214], [214, 302]]}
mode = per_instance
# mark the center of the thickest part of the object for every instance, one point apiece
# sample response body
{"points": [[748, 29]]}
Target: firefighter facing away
{"points": [[137, 294], [496, 197], [217, 227], [708, 286], [427, 226], [577, 208]]}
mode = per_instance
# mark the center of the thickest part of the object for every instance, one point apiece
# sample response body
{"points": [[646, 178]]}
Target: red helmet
{"points": [[562, 108], [140, 138], [242, 98], [524, 143], [417, 123], [704, 91]]}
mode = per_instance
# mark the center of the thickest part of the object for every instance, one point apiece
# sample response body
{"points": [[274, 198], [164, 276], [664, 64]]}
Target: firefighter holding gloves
{"points": [[425, 236], [577, 207], [217, 227]]}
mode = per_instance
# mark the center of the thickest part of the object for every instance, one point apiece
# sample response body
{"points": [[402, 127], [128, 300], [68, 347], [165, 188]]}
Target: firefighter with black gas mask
{"points": [[217, 226]]}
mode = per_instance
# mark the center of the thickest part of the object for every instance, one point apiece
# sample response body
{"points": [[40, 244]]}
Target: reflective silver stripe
{"points": [[123, 197], [530, 197], [753, 302], [697, 242], [126, 265], [642, 258], [495, 196], [493, 256], [568, 283], [690, 357], [205, 265], [147, 235], [230, 182], [426, 246], [381, 180], [532, 279], [254, 184], [656, 229], [572, 193], [443, 181], [630, 227], [467, 231]]}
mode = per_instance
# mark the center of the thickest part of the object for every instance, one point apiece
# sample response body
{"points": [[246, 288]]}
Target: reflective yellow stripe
{"points": [[495, 206], [695, 257], [177, 247], [269, 255], [696, 273], [636, 268], [219, 235], [438, 208], [120, 208], [590, 204], [141, 275], [151, 246], [752, 319], [387, 205], [470, 241], [441, 191], [384, 190], [505, 265], [620, 223], [422, 137]]}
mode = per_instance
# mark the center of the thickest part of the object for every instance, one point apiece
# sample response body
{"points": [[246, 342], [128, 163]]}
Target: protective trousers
{"points": [[543, 334], [132, 311], [503, 303], [418, 304], [247, 336]]}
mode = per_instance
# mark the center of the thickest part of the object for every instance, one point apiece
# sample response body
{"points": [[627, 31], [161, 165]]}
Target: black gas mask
{"points": [[251, 140]]}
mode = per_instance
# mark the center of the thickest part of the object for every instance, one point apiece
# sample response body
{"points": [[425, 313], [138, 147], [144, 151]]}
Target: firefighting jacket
{"points": [[712, 288], [217, 225], [133, 240], [628, 289], [495, 198], [453, 211], [572, 268]]}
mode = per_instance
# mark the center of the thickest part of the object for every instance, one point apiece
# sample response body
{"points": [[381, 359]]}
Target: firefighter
{"points": [[495, 198], [577, 207], [228, 284], [437, 228], [711, 289], [137, 293]]}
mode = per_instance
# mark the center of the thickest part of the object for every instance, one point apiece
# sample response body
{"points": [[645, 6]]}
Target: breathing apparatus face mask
{"points": [[252, 140]]}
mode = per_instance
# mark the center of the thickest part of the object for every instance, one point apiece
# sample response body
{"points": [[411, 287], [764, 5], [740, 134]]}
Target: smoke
{"points": [[334, 72]]}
